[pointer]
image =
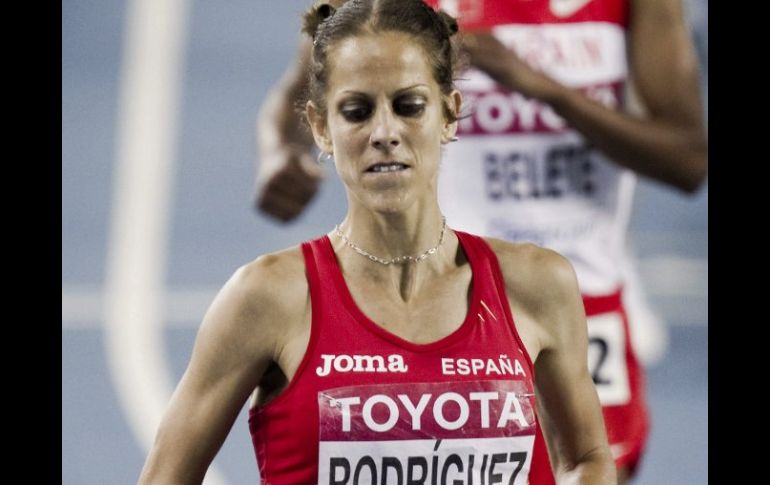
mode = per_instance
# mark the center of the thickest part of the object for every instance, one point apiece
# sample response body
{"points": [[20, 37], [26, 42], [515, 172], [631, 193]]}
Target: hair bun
{"points": [[325, 11], [315, 17], [449, 22]]}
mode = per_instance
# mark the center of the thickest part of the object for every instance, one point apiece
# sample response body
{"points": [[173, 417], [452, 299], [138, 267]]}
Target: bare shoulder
{"points": [[273, 282], [532, 273], [270, 289], [542, 290], [271, 275]]}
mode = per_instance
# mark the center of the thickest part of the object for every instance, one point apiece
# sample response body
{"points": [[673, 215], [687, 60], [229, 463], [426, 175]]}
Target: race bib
{"points": [[607, 359], [427, 433]]}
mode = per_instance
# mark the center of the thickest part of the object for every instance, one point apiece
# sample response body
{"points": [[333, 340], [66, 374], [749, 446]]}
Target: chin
{"points": [[390, 203]]}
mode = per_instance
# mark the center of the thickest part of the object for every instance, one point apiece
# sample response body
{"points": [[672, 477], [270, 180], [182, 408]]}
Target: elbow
{"points": [[595, 467], [697, 173], [694, 167], [160, 474], [164, 466]]}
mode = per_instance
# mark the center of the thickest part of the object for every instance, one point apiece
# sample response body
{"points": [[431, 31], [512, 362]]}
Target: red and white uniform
{"points": [[366, 406], [520, 173]]}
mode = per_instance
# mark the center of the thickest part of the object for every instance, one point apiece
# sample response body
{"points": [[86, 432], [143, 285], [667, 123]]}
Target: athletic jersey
{"points": [[366, 406], [519, 172]]}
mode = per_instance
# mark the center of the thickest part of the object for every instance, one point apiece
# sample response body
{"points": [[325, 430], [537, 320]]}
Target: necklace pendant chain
{"points": [[398, 259]]}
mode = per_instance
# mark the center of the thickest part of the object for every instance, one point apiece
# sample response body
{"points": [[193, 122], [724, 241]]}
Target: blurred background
{"points": [[159, 101]]}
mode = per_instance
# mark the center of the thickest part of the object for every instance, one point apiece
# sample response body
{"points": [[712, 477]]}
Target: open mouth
{"points": [[387, 167]]}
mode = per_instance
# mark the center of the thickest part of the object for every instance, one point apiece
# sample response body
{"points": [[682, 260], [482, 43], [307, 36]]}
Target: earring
{"points": [[323, 157]]}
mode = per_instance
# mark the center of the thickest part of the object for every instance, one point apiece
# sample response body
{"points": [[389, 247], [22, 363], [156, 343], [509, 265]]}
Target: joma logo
{"points": [[360, 363]]}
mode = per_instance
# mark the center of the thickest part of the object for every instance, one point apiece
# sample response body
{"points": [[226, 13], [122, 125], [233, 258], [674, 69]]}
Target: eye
{"points": [[356, 112], [410, 106]]}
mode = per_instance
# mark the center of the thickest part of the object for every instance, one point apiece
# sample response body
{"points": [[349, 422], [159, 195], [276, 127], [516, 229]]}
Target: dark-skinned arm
{"points": [[669, 143]]}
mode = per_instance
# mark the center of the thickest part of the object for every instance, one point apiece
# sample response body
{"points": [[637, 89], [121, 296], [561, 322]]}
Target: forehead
{"points": [[388, 60]]}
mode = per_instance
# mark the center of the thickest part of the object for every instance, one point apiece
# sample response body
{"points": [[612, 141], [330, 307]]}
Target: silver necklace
{"points": [[399, 259]]}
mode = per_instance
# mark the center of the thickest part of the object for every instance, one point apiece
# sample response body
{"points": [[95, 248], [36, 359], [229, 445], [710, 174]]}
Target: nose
{"points": [[385, 134]]}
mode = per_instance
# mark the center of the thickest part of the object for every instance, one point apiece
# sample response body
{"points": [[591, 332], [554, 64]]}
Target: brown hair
{"points": [[431, 29]]}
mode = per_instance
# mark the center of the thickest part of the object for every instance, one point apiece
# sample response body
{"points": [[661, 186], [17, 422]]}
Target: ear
{"points": [[454, 102], [318, 126]]}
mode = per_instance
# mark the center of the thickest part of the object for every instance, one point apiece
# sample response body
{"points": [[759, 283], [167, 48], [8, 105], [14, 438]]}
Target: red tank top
{"points": [[366, 406], [483, 14]]}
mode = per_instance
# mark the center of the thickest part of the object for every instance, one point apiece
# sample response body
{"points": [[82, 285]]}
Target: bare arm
{"points": [[551, 320], [569, 407], [287, 174], [235, 344], [669, 144]]}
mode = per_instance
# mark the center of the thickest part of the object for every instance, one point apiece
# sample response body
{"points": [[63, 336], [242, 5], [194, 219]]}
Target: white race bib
{"points": [[607, 358], [427, 433]]}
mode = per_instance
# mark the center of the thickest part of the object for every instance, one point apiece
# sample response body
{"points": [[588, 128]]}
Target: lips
{"points": [[387, 167]]}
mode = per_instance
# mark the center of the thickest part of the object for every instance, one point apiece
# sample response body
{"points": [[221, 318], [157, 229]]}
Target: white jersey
{"points": [[520, 173]]}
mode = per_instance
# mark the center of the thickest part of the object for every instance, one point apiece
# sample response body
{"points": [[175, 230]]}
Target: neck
{"points": [[395, 235]]}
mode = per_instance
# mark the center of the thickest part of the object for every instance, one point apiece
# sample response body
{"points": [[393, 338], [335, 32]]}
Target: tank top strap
{"points": [[485, 271], [318, 268], [492, 293], [325, 283]]}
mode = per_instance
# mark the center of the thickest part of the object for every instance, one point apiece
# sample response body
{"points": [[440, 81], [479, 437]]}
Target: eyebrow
{"points": [[412, 87], [397, 92]]}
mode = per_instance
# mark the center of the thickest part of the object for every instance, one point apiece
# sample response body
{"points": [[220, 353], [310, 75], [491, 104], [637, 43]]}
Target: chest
{"points": [[430, 313]]}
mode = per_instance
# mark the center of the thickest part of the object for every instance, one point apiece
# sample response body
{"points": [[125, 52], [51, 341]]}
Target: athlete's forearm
{"points": [[669, 147], [673, 153], [279, 124]]}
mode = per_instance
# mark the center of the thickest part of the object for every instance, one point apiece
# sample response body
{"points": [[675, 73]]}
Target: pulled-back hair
{"points": [[431, 29]]}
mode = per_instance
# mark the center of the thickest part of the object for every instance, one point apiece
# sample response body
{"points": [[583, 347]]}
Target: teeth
{"points": [[390, 167]]}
